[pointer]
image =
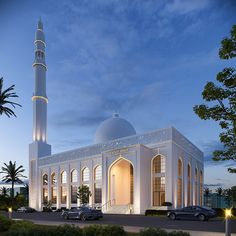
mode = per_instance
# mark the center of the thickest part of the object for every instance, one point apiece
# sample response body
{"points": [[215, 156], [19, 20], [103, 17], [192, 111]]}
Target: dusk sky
{"points": [[147, 60]]}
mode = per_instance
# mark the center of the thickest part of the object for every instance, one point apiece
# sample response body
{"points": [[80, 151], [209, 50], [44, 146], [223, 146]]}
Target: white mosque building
{"points": [[125, 171]]}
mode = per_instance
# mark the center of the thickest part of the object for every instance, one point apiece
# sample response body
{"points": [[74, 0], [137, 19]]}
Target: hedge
{"points": [[153, 212]]}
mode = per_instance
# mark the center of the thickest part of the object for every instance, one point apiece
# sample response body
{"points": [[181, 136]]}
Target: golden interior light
{"points": [[228, 213], [40, 97]]}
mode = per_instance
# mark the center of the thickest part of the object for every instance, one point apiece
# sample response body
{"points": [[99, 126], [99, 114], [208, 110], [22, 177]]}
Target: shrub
{"points": [[98, 230], [113, 230], [153, 232], [5, 223], [68, 230], [20, 228], [178, 233], [92, 230]]}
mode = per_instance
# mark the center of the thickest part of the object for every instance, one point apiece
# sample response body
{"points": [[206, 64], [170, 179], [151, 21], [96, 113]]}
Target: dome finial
{"points": [[116, 114]]}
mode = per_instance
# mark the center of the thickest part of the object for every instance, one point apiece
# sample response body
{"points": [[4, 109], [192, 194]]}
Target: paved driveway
{"points": [[213, 225]]}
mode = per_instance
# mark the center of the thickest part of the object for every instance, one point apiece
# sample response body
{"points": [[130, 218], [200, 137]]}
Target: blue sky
{"points": [[147, 60]]}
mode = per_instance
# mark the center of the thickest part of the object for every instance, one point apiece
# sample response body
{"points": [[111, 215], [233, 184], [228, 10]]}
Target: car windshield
{"points": [[206, 208]]}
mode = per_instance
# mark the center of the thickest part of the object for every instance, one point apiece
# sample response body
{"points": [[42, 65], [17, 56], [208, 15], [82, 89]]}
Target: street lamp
{"points": [[10, 213], [228, 214]]}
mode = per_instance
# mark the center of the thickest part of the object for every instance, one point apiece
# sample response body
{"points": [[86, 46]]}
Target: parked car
{"points": [[26, 209], [192, 212], [82, 213]]}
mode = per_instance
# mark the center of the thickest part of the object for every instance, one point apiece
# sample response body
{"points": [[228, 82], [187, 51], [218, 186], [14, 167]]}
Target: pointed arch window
{"points": [[45, 179], [74, 176], [158, 180], [85, 174], [63, 177], [53, 188]]}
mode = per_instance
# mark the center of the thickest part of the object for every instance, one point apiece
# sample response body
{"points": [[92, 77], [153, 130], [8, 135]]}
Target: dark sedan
{"points": [[82, 213], [192, 212], [26, 209]]}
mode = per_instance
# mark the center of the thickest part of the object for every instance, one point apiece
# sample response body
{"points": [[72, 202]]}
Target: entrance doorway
{"points": [[121, 181]]}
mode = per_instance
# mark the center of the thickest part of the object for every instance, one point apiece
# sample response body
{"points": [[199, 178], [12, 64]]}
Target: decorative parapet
{"points": [[153, 137]]}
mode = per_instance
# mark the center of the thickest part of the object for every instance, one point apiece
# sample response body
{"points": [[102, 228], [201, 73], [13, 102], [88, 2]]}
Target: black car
{"points": [[26, 209], [82, 213], [192, 212]]}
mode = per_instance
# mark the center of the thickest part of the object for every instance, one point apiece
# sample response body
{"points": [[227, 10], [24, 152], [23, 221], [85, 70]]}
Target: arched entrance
{"points": [[121, 182]]}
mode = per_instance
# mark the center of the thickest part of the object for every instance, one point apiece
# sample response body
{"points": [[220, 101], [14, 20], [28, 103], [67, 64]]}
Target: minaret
{"points": [[39, 147]]}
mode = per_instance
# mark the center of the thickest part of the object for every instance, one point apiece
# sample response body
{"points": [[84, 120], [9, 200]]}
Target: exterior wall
{"points": [[139, 156]]}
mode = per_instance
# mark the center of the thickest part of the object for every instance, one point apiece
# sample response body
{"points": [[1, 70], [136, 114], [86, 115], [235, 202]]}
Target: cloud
{"points": [[213, 185], [185, 6]]}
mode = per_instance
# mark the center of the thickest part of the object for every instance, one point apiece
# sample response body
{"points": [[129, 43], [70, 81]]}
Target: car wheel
{"points": [[202, 217], [172, 216], [65, 217], [83, 217]]}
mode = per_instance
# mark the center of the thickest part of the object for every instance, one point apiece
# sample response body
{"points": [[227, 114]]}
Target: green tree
{"points": [[12, 174], [227, 193], [4, 191], [5, 95], [221, 97], [206, 194], [219, 192], [84, 194]]}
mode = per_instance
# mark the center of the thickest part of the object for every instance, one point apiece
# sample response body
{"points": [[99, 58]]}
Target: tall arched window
{"points": [[63, 177], [63, 187], [196, 186], [98, 184], [53, 188], [180, 183], [45, 188], [189, 184], [74, 187], [201, 188], [85, 174], [158, 180], [45, 179], [74, 176]]}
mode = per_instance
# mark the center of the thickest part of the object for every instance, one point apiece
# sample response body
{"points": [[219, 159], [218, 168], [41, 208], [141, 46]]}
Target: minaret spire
{"points": [[39, 98], [39, 147]]}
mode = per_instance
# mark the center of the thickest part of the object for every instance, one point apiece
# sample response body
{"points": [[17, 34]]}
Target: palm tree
{"points": [[4, 100], [4, 191], [12, 174], [219, 192]]}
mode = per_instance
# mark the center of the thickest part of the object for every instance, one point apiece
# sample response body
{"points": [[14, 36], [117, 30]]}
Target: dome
{"points": [[113, 128]]}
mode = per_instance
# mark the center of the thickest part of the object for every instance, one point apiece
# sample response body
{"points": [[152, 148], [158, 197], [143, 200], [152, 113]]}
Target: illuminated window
{"points": [[53, 179], [180, 183], [54, 195], [45, 195], [196, 186], [98, 173], [85, 174], [201, 187], [45, 179], [74, 176], [63, 195], [158, 180], [74, 194], [63, 177], [159, 164], [189, 184], [98, 184]]}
